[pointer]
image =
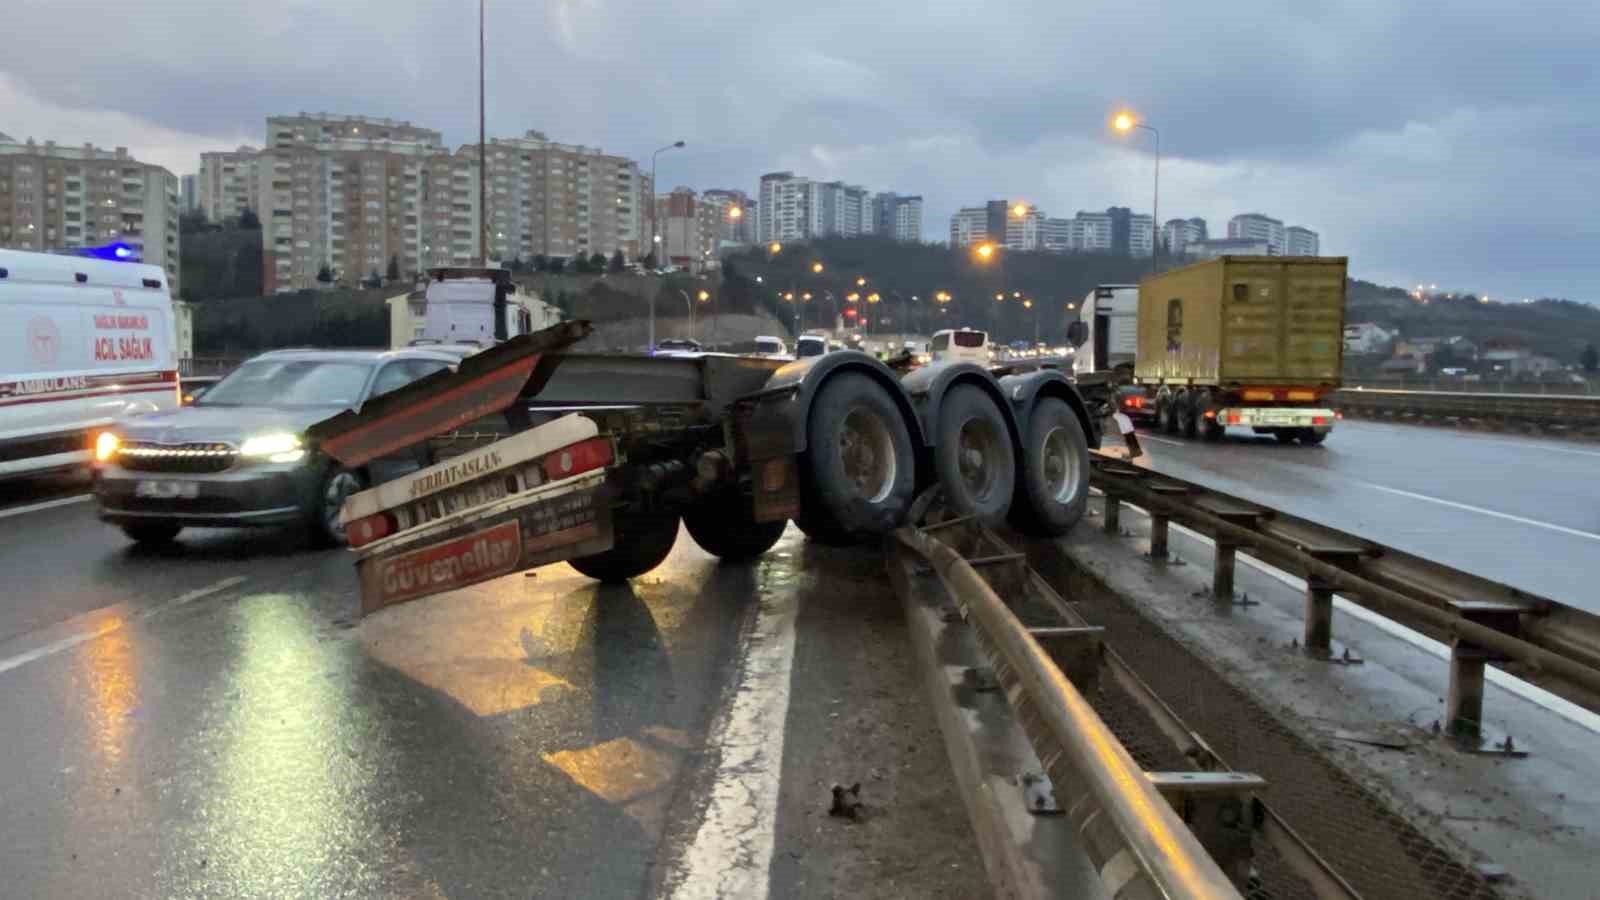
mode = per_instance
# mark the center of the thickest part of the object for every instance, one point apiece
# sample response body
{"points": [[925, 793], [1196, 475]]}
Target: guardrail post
{"points": [[1222, 571], [1319, 616], [1158, 536], [1112, 514], [1464, 703]]}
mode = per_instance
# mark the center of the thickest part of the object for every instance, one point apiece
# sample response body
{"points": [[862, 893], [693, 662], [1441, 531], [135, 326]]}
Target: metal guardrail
{"points": [[207, 366], [1137, 843], [1571, 410], [1485, 622]]}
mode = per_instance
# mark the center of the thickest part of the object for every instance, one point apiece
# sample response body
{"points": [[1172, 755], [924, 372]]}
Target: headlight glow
{"points": [[278, 447], [106, 446]]}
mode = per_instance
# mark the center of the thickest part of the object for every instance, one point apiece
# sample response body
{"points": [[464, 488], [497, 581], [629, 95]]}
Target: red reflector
{"points": [[1319, 420], [369, 528], [594, 453], [1211, 414], [1233, 418], [1337, 414]]}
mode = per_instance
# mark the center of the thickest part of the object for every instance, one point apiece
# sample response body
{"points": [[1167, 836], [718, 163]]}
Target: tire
{"points": [[1312, 437], [1211, 429], [1186, 414], [974, 458], [151, 532], [859, 468], [641, 541], [725, 527], [1053, 488], [1166, 421], [322, 510]]}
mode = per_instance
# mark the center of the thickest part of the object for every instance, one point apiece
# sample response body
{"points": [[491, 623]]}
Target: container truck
{"points": [[608, 454], [1246, 341]]}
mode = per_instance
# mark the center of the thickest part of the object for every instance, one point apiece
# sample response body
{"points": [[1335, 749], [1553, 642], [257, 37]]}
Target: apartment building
{"points": [[793, 207], [552, 199], [897, 217], [1178, 234], [1257, 227], [188, 193], [969, 226], [735, 215], [328, 131], [1024, 228], [58, 197], [229, 183], [1301, 241]]}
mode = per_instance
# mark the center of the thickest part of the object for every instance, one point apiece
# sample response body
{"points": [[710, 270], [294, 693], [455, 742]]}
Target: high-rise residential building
{"points": [[1178, 234], [1215, 247], [793, 207], [1255, 226], [1301, 241], [229, 183], [1024, 228], [1055, 235], [735, 215], [359, 195], [1141, 234], [1091, 233], [188, 193], [57, 197], [969, 226], [689, 228], [897, 217], [784, 207]]}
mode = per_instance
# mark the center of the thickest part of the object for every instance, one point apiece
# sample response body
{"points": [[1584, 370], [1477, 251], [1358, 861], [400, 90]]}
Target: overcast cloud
{"points": [[1434, 142]]}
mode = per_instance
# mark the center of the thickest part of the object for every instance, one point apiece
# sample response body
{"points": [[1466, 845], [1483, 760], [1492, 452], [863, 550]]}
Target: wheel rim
{"points": [[339, 488], [977, 446], [867, 453], [1061, 467]]}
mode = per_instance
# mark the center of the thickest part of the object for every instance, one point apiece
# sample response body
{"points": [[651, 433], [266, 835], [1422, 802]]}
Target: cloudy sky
{"points": [[1435, 142]]}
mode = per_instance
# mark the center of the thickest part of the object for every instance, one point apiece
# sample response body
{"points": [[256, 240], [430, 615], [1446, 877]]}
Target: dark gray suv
{"points": [[238, 456]]}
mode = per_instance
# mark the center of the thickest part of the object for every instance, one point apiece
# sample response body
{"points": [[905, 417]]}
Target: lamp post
{"points": [[655, 239], [688, 304], [1125, 122]]}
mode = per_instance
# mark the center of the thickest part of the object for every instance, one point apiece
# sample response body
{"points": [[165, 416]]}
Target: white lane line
{"points": [[1466, 507], [1161, 440], [109, 624], [1528, 691], [47, 504], [731, 854]]}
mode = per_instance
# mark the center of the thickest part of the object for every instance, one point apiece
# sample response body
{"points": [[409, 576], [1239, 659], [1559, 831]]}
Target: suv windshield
{"points": [[300, 382]]}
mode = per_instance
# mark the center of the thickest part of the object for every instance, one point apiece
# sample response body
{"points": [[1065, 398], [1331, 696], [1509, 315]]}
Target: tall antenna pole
{"points": [[483, 157]]}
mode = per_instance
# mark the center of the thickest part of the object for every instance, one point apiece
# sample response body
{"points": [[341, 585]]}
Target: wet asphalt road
{"points": [[1523, 511], [211, 720]]}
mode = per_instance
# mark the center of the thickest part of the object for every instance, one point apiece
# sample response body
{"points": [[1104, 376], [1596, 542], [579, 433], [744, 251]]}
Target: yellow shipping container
{"points": [[1243, 320]]}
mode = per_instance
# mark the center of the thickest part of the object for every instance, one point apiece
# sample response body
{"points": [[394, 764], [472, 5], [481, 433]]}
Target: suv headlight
{"points": [[106, 445], [278, 447]]}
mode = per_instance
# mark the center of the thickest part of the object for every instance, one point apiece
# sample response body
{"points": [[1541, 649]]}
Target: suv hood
{"points": [[227, 424]]}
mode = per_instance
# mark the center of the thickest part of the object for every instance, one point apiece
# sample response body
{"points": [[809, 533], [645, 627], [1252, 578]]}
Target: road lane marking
{"points": [[1467, 507], [47, 504], [1161, 440], [108, 624], [731, 853], [1526, 690]]}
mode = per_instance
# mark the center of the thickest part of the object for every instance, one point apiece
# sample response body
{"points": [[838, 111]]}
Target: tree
{"points": [[374, 280], [325, 274], [597, 262], [394, 267], [516, 264], [580, 263], [248, 220], [540, 263], [618, 261], [1590, 359], [650, 260], [192, 221], [247, 270], [554, 265]]}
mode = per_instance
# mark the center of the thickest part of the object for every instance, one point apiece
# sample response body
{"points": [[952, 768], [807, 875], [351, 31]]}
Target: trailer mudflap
{"points": [[573, 520], [483, 385], [775, 489]]}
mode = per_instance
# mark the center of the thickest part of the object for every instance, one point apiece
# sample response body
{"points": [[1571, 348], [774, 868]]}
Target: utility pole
{"points": [[483, 156]]}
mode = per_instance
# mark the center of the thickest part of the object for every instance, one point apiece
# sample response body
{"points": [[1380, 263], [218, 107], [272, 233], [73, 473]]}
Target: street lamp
{"points": [[1020, 210], [816, 268], [774, 248], [1125, 122], [984, 251], [861, 282]]}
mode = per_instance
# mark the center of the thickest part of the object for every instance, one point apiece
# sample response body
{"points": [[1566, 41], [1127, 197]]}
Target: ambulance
{"points": [[84, 341]]}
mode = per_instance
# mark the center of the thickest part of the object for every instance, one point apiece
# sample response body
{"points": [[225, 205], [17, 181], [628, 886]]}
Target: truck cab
{"points": [[462, 305], [1110, 314], [960, 344]]}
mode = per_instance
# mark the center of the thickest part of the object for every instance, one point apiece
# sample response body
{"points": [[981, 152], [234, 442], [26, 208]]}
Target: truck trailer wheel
{"points": [[1186, 414], [724, 526], [1211, 427], [974, 458], [1311, 437], [860, 468], [1166, 420], [641, 542], [1054, 488]]}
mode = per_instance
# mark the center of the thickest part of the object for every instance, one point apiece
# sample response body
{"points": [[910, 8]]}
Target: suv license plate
{"points": [[167, 490]]}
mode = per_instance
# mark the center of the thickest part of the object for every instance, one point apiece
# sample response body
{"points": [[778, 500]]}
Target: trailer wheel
{"points": [[1311, 437], [1186, 414], [860, 468], [725, 527], [974, 458], [1166, 416], [1211, 428], [642, 540], [1054, 488]]}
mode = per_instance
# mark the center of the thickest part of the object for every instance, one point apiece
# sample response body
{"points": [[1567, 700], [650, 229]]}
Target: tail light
{"points": [[584, 456], [1133, 401], [1319, 420], [1210, 414], [367, 529], [1233, 418]]}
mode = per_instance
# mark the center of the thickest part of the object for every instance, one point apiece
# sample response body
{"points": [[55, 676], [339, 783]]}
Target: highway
{"points": [[1522, 511], [212, 720]]}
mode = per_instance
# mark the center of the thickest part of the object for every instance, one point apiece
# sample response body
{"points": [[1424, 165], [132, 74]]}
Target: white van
{"points": [[964, 344], [82, 342]]}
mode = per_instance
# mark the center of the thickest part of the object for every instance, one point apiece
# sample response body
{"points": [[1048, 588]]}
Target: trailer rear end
{"points": [[1249, 341]]}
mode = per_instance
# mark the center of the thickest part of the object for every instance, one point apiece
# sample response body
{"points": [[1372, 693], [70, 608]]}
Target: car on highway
{"points": [[237, 457], [678, 347]]}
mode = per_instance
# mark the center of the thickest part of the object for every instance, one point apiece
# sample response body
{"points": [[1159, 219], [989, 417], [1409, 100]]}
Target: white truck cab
{"points": [[1111, 313], [966, 344], [464, 305], [83, 342]]}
